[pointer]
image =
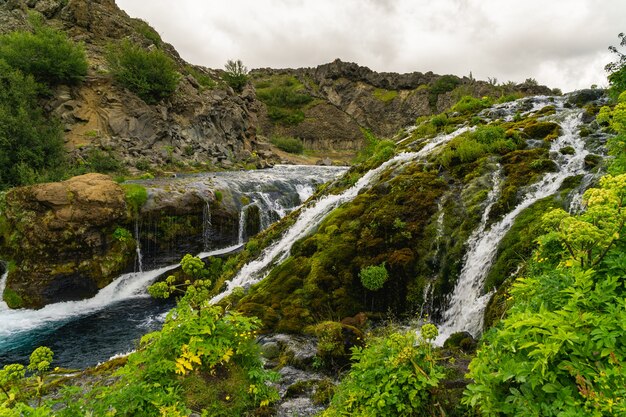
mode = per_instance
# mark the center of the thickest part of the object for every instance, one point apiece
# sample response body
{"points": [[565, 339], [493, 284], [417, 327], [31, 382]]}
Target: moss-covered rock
{"points": [[61, 240]]}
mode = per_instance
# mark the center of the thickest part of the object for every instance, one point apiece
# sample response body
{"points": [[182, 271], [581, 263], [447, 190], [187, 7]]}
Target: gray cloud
{"points": [[562, 43]]}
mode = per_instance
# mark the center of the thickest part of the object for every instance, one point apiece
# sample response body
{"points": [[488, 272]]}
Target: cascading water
{"points": [[138, 247], [206, 225], [83, 333], [468, 300], [311, 217], [242, 223], [3, 284]]}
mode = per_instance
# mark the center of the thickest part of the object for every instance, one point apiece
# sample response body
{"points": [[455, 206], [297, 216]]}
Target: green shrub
{"points": [[136, 196], [392, 376], [285, 99], [47, 54], [30, 144], [103, 161], [149, 74], [288, 144], [374, 277], [469, 104], [147, 31], [235, 74], [122, 234], [443, 84]]}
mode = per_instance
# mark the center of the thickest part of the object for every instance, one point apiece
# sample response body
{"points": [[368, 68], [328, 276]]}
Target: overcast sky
{"points": [[560, 43]]}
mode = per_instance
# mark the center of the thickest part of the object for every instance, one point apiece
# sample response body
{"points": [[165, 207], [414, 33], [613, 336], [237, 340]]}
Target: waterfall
{"points": [[3, 284], [138, 247], [312, 216], [206, 225], [468, 300], [126, 287], [242, 224]]}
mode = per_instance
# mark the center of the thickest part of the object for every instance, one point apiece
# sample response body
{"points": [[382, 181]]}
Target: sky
{"points": [[559, 43]]}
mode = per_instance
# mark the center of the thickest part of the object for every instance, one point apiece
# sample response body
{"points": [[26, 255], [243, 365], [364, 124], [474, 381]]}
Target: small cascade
{"points": [[127, 287], [242, 224], [3, 284], [468, 300], [576, 196], [206, 226], [311, 217], [139, 266]]}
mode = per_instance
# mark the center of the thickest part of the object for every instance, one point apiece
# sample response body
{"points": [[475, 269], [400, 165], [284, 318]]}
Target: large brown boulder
{"points": [[65, 240]]}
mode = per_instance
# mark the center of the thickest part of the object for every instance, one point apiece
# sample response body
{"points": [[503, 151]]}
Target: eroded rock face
{"points": [[60, 237], [355, 97], [197, 126]]}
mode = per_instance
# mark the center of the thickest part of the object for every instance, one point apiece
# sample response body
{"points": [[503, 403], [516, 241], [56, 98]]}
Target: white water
{"points": [[126, 287], [312, 216], [206, 225], [468, 300], [138, 247], [3, 284]]}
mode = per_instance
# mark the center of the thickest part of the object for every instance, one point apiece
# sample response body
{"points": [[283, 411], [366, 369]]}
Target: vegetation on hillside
{"points": [[150, 74]]}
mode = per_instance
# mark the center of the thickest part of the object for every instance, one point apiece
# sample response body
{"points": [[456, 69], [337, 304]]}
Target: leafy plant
{"points": [[236, 74], [150, 74], [374, 277], [46, 54], [288, 144], [39, 364], [589, 236], [30, 143], [136, 196], [391, 376]]}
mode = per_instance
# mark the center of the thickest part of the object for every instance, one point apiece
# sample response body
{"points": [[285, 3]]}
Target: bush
{"points": [[236, 74], [149, 74], [103, 161], [136, 196], [285, 99], [47, 54], [469, 104], [374, 277], [392, 376], [288, 144], [30, 143]]}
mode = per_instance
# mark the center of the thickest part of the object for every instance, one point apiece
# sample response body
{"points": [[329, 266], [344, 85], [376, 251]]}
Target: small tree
{"points": [[236, 74]]}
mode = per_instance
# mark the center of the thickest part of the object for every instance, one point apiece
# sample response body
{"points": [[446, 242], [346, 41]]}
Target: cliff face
{"points": [[346, 97], [205, 124], [64, 239], [198, 126]]}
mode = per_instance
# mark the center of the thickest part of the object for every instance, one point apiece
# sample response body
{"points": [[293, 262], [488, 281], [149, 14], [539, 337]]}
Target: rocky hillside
{"points": [[329, 105], [206, 125]]}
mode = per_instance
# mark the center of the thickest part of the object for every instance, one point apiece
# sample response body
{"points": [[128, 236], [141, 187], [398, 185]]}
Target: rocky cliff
{"points": [[198, 126], [64, 239], [344, 98]]}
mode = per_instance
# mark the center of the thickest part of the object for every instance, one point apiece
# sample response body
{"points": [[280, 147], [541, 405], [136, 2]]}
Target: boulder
{"points": [[64, 239]]}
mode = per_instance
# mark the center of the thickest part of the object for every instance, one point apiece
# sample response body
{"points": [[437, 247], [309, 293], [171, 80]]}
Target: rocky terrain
{"points": [[206, 125]]}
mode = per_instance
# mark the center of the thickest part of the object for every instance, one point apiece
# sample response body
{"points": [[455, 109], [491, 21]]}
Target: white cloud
{"points": [[561, 43]]}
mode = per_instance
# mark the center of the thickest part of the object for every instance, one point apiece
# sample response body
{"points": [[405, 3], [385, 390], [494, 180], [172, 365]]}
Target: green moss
{"points": [[542, 130], [322, 276], [136, 196], [12, 298], [386, 96]]}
